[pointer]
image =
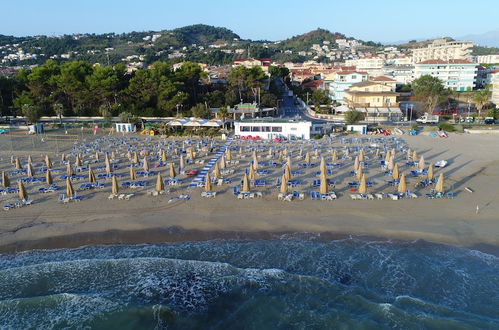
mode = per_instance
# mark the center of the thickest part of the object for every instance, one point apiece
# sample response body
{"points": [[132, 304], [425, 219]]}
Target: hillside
{"points": [[306, 40]]}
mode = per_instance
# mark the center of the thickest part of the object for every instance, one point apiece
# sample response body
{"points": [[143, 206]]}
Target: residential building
{"points": [[341, 81], [369, 94], [402, 74], [384, 80], [458, 75], [443, 49], [495, 87], [271, 128], [487, 59]]}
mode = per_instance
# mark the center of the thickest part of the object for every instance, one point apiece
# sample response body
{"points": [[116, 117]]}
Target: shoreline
{"points": [[176, 234]]}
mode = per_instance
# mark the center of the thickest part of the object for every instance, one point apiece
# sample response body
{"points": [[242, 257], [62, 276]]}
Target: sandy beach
{"points": [[473, 162]]}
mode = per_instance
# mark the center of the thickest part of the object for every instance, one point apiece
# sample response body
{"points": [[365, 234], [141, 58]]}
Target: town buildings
{"points": [[341, 81], [369, 94], [495, 87]]}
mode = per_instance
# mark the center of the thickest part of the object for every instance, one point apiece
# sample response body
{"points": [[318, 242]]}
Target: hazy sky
{"points": [[378, 20]]}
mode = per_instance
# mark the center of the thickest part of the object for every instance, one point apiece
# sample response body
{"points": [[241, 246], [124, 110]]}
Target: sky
{"points": [[377, 20]]}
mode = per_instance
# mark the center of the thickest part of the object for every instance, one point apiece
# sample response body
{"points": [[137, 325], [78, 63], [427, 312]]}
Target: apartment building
{"points": [[458, 75], [442, 49], [495, 87]]}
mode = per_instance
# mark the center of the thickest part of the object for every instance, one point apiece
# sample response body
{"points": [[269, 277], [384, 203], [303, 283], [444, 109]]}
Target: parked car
{"points": [[489, 120]]}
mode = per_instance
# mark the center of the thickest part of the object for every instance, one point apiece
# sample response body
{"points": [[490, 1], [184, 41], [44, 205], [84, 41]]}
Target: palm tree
{"points": [[481, 98], [222, 114]]}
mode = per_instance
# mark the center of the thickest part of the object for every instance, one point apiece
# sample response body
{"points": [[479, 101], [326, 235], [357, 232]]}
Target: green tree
{"points": [[200, 111], [73, 83], [429, 90], [353, 117], [481, 98], [24, 98], [223, 113], [42, 83], [320, 96], [31, 112], [269, 100], [126, 117]]}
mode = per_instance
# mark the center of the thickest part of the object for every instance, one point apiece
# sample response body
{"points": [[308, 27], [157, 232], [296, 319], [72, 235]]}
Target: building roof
{"points": [[313, 84], [365, 83], [386, 93], [456, 61], [382, 78], [350, 72]]}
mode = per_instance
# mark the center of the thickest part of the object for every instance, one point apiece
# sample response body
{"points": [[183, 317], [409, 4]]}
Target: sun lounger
{"points": [[378, 196], [121, 196], [8, 206], [128, 196], [301, 196]]}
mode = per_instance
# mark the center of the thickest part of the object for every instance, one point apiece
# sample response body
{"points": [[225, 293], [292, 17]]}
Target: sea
{"points": [[291, 282]]}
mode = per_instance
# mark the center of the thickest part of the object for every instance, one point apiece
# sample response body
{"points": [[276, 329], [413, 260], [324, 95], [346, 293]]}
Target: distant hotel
{"points": [[441, 49]]}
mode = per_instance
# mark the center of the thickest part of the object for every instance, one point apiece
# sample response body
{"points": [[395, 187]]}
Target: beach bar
{"points": [[270, 128]]}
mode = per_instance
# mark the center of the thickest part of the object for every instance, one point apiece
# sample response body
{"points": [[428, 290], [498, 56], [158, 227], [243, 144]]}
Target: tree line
{"points": [[82, 89]]}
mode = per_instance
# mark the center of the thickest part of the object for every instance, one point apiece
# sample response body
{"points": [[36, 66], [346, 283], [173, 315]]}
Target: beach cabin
{"points": [[272, 128], [125, 127], [360, 129], [35, 129]]}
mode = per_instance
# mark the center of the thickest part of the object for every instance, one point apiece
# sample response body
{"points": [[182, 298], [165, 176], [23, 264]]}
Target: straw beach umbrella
{"points": [[395, 172], [222, 162], [322, 166], [18, 164], [414, 156], [284, 184], [402, 187], [133, 177], [172, 171], [5, 180], [216, 171], [251, 173], [335, 156], [281, 156], [229, 154], [181, 162], [288, 162], [307, 157], [63, 157], [421, 163], [29, 170], [91, 175], [69, 169], [113, 155], [207, 183], [439, 187], [388, 156], [48, 177], [135, 158], [108, 165], [191, 154], [48, 163], [30, 160], [145, 165], [287, 172], [97, 156], [78, 160], [22, 190], [163, 156], [429, 175], [363, 185], [245, 184], [323, 189], [356, 164], [255, 160], [360, 173], [114, 186], [69, 188], [361, 155], [160, 185]]}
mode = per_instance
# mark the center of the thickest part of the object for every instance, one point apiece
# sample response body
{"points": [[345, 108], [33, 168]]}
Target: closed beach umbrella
{"points": [[163, 156], [287, 172], [284, 184], [160, 185], [251, 174], [135, 158], [281, 156], [363, 186], [408, 154], [430, 172], [18, 164], [323, 189], [245, 184], [307, 157], [392, 153], [391, 163], [316, 152], [402, 187], [78, 160], [69, 188], [181, 162], [12, 161], [356, 164], [288, 162], [48, 177], [48, 163], [133, 177], [22, 191], [69, 169], [63, 157], [191, 154], [335, 156], [216, 171], [29, 170], [129, 155], [5, 180], [222, 162], [229, 154], [114, 185], [323, 166], [255, 160], [91, 175], [421, 163], [240, 150], [108, 165], [145, 165], [439, 187], [361, 155], [97, 156], [360, 172], [395, 172], [113, 155], [270, 152], [30, 160], [414, 156], [207, 183], [172, 171]]}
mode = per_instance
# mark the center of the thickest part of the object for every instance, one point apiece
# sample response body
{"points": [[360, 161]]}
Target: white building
{"points": [[458, 75], [487, 59], [495, 87], [270, 128], [441, 49]]}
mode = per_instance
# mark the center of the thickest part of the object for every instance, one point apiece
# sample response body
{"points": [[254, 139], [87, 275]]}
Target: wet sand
{"points": [[473, 162]]}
